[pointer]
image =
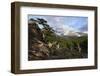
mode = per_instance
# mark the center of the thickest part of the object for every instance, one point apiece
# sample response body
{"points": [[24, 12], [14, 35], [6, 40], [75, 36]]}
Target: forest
{"points": [[45, 44]]}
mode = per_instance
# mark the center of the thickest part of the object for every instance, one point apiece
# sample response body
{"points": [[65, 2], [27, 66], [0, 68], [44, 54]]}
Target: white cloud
{"points": [[65, 29]]}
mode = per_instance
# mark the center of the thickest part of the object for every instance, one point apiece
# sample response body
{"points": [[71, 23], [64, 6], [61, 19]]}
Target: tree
{"points": [[45, 24]]}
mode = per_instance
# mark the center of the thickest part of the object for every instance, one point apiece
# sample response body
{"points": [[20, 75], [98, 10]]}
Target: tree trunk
{"points": [[79, 48]]}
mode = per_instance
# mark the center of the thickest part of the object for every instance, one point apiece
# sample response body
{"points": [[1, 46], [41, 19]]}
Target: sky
{"points": [[65, 23]]}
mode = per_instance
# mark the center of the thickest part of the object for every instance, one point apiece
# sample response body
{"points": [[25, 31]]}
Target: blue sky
{"points": [[73, 23]]}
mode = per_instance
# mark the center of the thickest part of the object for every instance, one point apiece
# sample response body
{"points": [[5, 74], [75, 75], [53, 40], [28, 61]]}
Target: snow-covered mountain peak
{"points": [[69, 31]]}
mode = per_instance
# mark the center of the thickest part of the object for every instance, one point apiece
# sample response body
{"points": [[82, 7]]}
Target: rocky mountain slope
{"points": [[44, 44]]}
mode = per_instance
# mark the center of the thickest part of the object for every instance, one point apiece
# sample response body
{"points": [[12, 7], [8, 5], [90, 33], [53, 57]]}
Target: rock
{"points": [[39, 50]]}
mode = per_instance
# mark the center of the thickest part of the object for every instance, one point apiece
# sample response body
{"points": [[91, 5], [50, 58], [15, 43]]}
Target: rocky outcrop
{"points": [[37, 48], [39, 51]]}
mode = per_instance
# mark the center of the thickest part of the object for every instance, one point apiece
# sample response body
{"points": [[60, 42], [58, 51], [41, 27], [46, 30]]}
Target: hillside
{"points": [[44, 43]]}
